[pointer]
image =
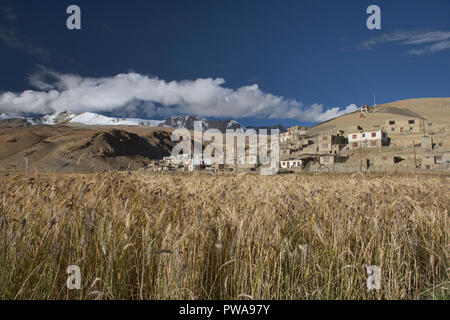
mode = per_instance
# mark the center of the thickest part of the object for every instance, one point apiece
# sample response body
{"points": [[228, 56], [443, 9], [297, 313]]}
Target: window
{"points": [[411, 121], [391, 123], [373, 143], [354, 136], [392, 129], [374, 134], [355, 144], [411, 128], [364, 135]]}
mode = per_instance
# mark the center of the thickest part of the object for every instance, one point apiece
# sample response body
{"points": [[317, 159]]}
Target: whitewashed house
{"points": [[292, 163], [367, 139]]}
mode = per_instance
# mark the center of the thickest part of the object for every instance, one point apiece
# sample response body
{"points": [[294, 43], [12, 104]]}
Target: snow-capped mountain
{"points": [[58, 117], [187, 122], [89, 118], [50, 119], [4, 116], [86, 118], [95, 119]]}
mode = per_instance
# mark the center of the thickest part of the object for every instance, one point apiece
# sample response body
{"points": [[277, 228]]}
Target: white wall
{"points": [[291, 164], [363, 136]]}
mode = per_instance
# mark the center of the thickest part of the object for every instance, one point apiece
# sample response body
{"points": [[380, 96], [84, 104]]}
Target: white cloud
{"points": [[440, 46], [435, 41], [132, 94]]}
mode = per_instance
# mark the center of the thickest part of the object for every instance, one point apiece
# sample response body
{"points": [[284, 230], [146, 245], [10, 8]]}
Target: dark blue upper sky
{"points": [[309, 51]]}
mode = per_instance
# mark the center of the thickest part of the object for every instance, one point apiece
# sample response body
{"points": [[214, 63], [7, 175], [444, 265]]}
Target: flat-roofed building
{"points": [[298, 130], [427, 143], [284, 137], [364, 109], [332, 159], [291, 163], [428, 161], [413, 125], [367, 139], [331, 143], [293, 134]]}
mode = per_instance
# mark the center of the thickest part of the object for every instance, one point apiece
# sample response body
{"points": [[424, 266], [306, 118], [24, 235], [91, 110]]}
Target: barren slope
{"points": [[435, 110], [81, 149]]}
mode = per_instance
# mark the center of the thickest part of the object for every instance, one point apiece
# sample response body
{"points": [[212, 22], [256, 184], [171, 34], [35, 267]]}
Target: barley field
{"points": [[202, 236]]}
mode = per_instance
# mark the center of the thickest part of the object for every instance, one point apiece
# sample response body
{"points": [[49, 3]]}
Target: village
{"points": [[395, 146]]}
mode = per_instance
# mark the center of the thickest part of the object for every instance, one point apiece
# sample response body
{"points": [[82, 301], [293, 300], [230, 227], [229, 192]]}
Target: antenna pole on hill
{"points": [[374, 101]]}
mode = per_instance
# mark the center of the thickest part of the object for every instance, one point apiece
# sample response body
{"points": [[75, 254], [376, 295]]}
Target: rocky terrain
{"points": [[81, 149]]}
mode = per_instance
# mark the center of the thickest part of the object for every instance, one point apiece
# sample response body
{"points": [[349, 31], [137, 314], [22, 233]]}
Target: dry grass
{"points": [[199, 236]]}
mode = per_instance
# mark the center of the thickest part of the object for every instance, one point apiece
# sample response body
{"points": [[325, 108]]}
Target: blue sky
{"points": [[306, 57]]}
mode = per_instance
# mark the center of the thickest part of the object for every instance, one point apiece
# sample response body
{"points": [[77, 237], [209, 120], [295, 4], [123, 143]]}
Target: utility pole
{"points": [[235, 154], [415, 157], [360, 157]]}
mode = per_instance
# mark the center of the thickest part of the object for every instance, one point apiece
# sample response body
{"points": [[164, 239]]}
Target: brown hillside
{"points": [[72, 149], [435, 110], [14, 122]]}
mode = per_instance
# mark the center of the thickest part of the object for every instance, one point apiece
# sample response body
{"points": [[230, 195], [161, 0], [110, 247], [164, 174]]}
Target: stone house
{"points": [[332, 159], [386, 160], [428, 161], [284, 137], [407, 125], [426, 143], [364, 109], [298, 130], [293, 134], [331, 143]]}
